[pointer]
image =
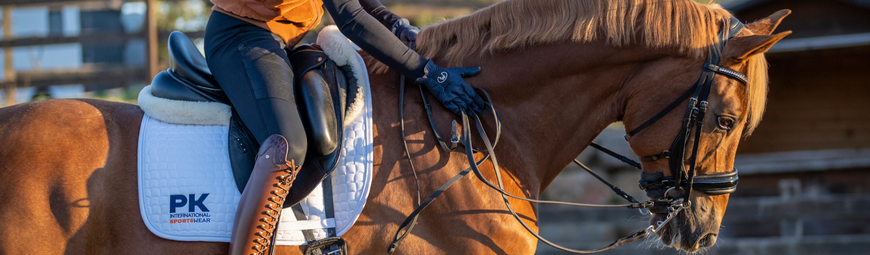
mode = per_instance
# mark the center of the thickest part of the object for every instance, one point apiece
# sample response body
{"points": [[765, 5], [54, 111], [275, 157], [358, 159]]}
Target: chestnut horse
{"points": [[559, 72]]}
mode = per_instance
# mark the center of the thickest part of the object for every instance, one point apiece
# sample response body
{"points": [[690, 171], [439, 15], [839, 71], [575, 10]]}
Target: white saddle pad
{"points": [[187, 191]]}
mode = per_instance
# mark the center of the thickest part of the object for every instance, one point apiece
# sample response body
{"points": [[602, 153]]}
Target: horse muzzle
{"points": [[692, 229]]}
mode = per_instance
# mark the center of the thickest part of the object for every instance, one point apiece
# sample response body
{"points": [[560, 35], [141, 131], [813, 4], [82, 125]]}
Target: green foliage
{"points": [[182, 15], [179, 15], [39, 96], [100, 94], [131, 93]]}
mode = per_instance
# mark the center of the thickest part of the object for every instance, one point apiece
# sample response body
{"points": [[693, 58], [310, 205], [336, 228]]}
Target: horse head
{"points": [[734, 109]]}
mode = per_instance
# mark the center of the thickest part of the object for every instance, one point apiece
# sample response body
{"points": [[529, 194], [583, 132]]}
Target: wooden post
{"points": [[8, 66], [151, 37]]}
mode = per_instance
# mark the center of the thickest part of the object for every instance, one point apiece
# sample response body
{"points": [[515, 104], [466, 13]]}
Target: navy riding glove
{"points": [[404, 31], [448, 86]]}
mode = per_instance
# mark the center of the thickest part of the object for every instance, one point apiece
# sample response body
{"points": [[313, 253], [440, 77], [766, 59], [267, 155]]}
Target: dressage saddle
{"points": [[321, 94]]}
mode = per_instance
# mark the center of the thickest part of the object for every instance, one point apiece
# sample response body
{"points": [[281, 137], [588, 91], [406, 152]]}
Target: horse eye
{"points": [[725, 123]]}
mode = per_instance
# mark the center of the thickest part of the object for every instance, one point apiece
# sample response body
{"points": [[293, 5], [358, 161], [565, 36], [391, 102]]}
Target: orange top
{"points": [[290, 19]]}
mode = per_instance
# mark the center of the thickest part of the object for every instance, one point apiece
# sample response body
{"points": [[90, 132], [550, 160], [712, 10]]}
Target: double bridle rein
{"points": [[673, 192]]}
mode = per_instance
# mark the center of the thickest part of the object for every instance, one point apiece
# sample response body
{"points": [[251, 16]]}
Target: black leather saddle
{"points": [[321, 94]]}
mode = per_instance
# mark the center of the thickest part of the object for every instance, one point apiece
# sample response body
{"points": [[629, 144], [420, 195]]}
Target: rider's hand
{"points": [[448, 86], [405, 32]]}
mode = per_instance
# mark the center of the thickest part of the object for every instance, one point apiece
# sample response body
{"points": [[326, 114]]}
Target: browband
{"points": [[727, 72]]}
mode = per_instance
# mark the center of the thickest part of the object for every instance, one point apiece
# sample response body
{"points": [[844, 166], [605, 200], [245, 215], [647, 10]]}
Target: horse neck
{"points": [[554, 101]]}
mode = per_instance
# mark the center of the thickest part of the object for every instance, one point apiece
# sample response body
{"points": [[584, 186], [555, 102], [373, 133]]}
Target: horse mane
{"points": [[685, 25]]}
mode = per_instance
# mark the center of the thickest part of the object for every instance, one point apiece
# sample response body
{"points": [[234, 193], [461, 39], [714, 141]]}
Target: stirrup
{"points": [[327, 246]]}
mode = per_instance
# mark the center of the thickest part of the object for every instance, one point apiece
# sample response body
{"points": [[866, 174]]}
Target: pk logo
{"points": [[176, 201]]}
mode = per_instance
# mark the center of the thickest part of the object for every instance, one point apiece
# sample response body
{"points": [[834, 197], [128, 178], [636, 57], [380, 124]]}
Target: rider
{"points": [[245, 42]]}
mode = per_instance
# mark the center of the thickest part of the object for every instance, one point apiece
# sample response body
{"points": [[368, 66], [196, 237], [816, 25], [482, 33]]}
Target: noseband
{"points": [[656, 184]]}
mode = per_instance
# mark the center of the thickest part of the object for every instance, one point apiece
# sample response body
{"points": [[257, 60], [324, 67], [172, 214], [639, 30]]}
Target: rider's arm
{"points": [[380, 13], [373, 37]]}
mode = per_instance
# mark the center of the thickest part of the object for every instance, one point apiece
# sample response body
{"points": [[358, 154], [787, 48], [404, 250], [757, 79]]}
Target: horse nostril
{"points": [[708, 241]]}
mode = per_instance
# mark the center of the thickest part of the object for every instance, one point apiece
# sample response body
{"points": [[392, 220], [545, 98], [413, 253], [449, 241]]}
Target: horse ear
{"points": [[766, 26], [743, 47]]}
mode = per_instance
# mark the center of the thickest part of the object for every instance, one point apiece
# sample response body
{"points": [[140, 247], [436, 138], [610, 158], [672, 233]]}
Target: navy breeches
{"points": [[251, 66]]}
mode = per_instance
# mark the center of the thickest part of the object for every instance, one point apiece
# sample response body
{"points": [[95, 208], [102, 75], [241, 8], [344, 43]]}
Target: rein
{"points": [[465, 138], [685, 180]]}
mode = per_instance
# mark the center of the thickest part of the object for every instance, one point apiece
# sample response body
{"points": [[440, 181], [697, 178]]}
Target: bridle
{"points": [[681, 179], [656, 185]]}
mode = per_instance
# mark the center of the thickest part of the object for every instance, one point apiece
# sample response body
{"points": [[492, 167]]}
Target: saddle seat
{"points": [[188, 77], [321, 89]]}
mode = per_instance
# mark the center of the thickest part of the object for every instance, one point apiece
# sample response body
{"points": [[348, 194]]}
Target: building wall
{"points": [[818, 100], [812, 18], [818, 104]]}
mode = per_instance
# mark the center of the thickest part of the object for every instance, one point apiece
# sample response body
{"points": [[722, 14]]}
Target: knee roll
{"points": [[317, 110]]}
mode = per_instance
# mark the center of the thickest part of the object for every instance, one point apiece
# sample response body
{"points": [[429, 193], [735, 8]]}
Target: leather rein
{"points": [[654, 184]]}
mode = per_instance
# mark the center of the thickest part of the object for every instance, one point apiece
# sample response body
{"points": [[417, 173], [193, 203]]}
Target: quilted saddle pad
{"points": [[187, 191]]}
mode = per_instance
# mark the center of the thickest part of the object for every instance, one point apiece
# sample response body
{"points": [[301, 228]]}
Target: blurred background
{"points": [[804, 174], [110, 49]]}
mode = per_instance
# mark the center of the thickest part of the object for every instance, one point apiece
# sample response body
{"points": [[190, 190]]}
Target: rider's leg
{"points": [[251, 66], [261, 203]]}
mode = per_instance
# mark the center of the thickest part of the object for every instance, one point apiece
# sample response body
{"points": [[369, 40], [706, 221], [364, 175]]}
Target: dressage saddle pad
{"points": [[186, 186]]}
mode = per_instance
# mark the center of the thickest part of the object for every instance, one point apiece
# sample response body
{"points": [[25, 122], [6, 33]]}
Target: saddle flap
{"points": [[321, 92], [242, 150], [321, 107]]}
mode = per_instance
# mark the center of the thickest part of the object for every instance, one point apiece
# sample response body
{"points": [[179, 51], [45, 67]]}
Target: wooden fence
{"points": [[89, 73]]}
